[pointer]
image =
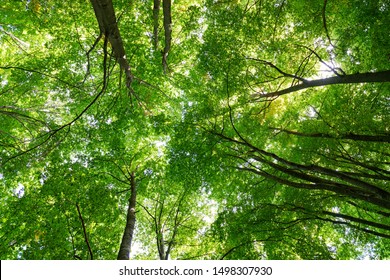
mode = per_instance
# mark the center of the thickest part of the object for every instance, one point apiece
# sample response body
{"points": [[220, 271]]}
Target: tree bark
{"points": [[348, 136], [84, 231], [125, 248], [156, 11], [377, 77], [168, 32], [105, 15]]}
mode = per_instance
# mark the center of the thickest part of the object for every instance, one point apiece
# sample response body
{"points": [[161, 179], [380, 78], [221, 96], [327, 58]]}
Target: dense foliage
{"points": [[242, 129]]}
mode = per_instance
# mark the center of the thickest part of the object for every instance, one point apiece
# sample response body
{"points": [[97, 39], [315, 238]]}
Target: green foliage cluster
{"points": [[223, 169]]}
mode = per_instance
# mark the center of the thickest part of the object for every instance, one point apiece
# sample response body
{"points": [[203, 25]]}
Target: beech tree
{"points": [[194, 129]]}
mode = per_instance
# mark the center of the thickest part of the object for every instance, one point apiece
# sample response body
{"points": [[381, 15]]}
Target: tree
{"points": [[329, 147], [194, 129]]}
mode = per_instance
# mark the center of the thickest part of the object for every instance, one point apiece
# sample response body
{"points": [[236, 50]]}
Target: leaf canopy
{"points": [[253, 129]]}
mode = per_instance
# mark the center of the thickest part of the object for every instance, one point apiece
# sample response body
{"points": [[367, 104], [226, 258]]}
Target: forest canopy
{"points": [[202, 130]]}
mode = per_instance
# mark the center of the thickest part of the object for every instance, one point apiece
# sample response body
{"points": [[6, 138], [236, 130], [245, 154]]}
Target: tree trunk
{"points": [[124, 251], [377, 77], [168, 32], [105, 15], [156, 11]]}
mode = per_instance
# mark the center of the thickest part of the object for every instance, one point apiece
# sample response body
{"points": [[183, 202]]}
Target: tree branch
{"points": [[349, 136], [324, 22], [376, 77], [84, 231]]}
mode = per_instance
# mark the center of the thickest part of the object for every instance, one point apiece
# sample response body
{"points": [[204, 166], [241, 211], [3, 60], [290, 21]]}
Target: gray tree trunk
{"points": [[125, 248]]}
